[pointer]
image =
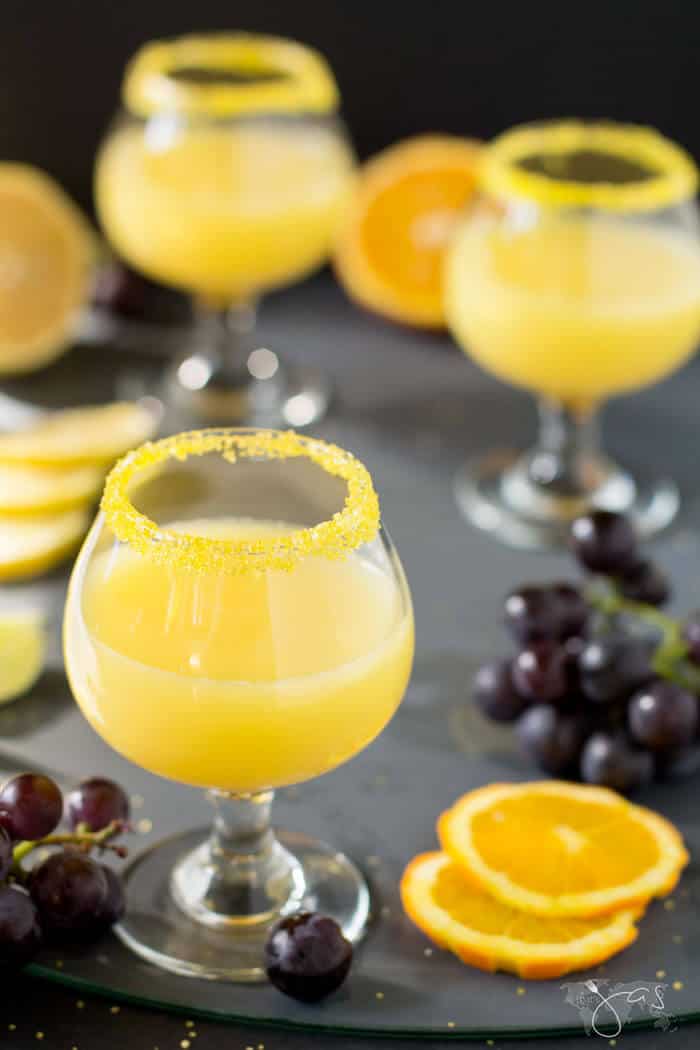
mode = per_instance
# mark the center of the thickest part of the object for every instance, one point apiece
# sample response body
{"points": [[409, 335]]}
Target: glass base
{"points": [[497, 494], [265, 392], [218, 946]]}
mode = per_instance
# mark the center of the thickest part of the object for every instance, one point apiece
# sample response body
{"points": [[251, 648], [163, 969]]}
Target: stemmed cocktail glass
{"points": [[578, 280], [225, 176], [237, 620]]}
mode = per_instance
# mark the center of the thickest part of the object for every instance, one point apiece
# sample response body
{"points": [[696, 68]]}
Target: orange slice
{"points": [[490, 935], [75, 437], [559, 849], [408, 201], [46, 255], [29, 547]]}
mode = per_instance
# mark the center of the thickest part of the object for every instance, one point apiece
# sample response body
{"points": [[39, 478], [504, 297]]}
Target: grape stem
{"points": [[82, 838], [670, 659]]}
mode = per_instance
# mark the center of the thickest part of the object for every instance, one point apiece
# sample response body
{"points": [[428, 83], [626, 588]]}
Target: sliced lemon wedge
{"points": [[38, 490], [22, 653], [30, 546], [81, 436]]}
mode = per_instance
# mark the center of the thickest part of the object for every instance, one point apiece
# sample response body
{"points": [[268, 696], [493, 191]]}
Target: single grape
{"points": [[574, 610], [120, 290], [494, 693], [552, 739], [691, 636], [604, 541], [30, 806], [645, 582], [115, 904], [609, 760], [540, 672], [662, 716], [70, 891], [96, 802], [20, 932], [532, 614], [307, 956], [5, 854], [612, 668], [674, 765]]}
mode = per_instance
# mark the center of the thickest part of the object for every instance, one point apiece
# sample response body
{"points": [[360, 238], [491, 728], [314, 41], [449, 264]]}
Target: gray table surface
{"points": [[409, 405]]}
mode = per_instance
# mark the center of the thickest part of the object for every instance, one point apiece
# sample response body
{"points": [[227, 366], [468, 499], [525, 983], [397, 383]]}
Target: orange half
{"points": [[490, 935], [407, 203]]}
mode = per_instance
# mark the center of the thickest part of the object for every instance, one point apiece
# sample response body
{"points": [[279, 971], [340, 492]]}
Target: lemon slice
{"points": [[79, 436], [47, 250], [22, 653], [32, 546], [38, 490]]}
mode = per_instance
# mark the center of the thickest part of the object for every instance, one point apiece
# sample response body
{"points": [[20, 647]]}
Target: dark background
{"points": [[404, 67]]}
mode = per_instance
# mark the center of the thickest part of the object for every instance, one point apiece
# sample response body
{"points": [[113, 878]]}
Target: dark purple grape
{"points": [[612, 668], [691, 636], [494, 693], [662, 716], [604, 541], [5, 854], [70, 891], [120, 290], [551, 738], [115, 903], [20, 932], [540, 672], [674, 765], [31, 806], [574, 610], [610, 760], [96, 802], [644, 582], [307, 956], [532, 614]]}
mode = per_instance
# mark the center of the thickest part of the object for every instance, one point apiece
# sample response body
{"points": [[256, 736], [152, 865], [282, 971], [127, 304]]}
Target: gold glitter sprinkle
{"points": [[144, 826], [137, 801], [351, 527], [450, 1024], [379, 995], [12, 1027], [80, 1004], [677, 986], [261, 1046], [380, 780], [39, 1035], [520, 990], [670, 904], [59, 964], [189, 1024], [373, 861], [427, 952], [489, 1042], [613, 1042], [677, 938], [185, 1044], [385, 911], [660, 974]]}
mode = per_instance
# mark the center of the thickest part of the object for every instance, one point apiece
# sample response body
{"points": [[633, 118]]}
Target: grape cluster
{"points": [[69, 896], [590, 697]]}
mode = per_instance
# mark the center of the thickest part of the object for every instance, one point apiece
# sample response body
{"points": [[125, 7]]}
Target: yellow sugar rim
{"points": [[355, 524], [305, 82], [672, 175]]}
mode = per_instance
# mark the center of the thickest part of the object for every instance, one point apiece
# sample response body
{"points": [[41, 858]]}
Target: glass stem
{"points": [[251, 876], [225, 335], [567, 462]]}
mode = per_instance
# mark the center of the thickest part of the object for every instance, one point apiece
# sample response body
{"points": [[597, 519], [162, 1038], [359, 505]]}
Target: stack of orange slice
{"points": [[543, 878]]}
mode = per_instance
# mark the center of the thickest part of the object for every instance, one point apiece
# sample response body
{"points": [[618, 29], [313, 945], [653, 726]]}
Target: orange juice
{"points": [[239, 682], [575, 309], [223, 211]]}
